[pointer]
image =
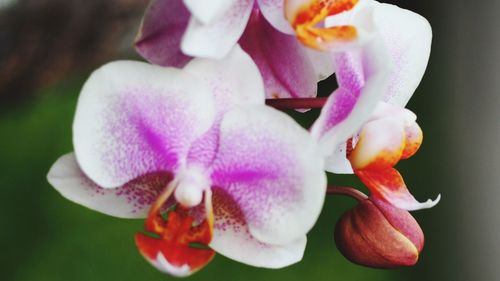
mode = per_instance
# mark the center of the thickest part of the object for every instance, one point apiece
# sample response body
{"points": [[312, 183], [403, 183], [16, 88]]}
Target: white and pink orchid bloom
{"points": [[382, 72], [174, 31], [199, 144], [401, 51]]}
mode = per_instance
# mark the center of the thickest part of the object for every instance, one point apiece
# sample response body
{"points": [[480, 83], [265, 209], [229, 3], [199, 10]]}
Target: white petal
{"points": [[207, 11], [337, 161], [235, 80], [134, 118], [409, 44], [274, 12], [132, 200], [322, 63], [216, 39], [233, 239]]}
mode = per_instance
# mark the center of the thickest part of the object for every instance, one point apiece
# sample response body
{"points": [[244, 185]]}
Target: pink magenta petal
{"points": [[362, 77], [159, 37], [233, 239], [133, 118], [273, 170], [283, 62], [132, 200], [216, 39]]}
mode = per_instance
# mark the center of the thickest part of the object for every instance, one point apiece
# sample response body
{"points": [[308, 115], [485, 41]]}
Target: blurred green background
{"points": [[45, 237]]}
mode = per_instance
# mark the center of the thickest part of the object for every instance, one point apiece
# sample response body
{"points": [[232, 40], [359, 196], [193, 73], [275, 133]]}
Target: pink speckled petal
{"points": [[216, 39], [274, 12], [159, 38], [233, 239], [134, 118], [234, 80], [273, 170], [362, 76], [131, 200], [409, 44], [283, 62]]}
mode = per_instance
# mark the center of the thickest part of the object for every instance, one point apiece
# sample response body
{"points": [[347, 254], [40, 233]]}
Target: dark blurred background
{"points": [[48, 48]]}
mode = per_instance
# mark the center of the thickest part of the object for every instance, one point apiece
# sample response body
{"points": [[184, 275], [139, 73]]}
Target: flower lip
{"points": [[162, 263], [171, 248]]}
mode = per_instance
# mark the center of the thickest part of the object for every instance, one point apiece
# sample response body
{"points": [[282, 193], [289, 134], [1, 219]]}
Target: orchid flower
{"points": [[199, 146], [386, 67], [174, 31]]}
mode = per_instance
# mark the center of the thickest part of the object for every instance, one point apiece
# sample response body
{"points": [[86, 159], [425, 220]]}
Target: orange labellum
{"points": [[176, 238], [310, 14]]}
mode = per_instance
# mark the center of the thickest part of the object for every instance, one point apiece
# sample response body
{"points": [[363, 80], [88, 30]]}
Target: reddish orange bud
{"points": [[376, 234]]}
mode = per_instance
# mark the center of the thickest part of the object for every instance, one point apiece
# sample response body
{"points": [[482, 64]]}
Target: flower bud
{"points": [[376, 234]]}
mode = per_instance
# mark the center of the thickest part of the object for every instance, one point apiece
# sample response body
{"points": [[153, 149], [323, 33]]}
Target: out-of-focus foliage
{"points": [[43, 40]]}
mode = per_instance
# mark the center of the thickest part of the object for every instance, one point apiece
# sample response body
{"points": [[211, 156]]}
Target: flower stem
{"points": [[296, 103], [346, 191]]}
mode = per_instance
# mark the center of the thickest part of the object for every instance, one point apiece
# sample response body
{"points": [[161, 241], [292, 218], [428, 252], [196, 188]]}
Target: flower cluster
{"points": [[187, 141]]}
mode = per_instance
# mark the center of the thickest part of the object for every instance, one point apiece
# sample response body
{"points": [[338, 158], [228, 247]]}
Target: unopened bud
{"points": [[376, 234]]}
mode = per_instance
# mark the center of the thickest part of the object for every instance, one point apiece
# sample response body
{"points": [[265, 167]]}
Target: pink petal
{"points": [[232, 238], [362, 77], [159, 37], [283, 62], [133, 118], [273, 170], [132, 200], [408, 43], [216, 39]]}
